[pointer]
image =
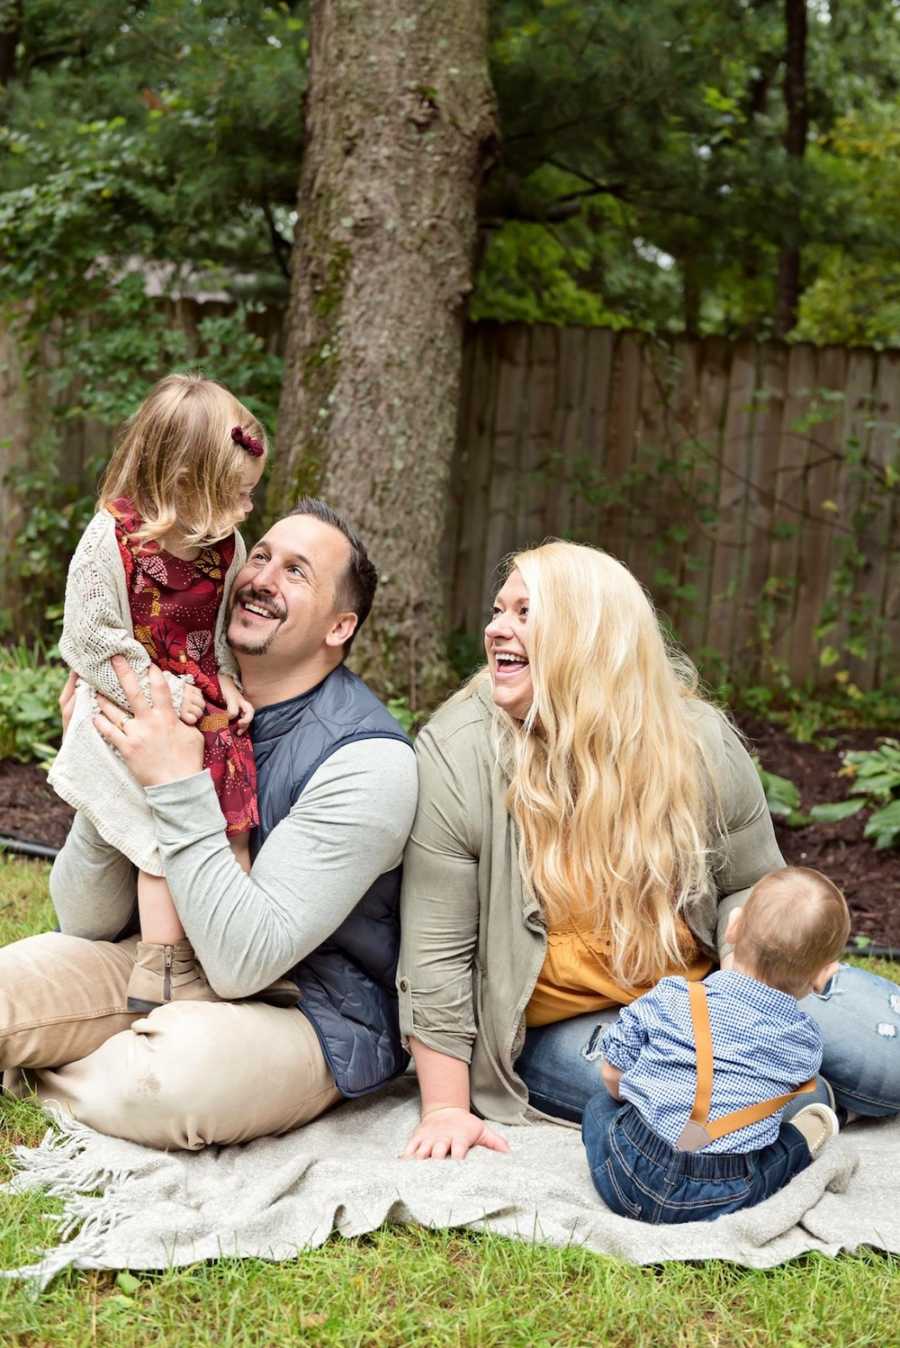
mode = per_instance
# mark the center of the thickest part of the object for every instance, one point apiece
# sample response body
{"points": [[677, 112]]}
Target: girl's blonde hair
{"points": [[177, 463], [608, 785]]}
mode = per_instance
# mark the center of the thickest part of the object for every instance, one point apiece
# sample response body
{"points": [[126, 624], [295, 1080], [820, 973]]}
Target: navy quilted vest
{"points": [[347, 984]]}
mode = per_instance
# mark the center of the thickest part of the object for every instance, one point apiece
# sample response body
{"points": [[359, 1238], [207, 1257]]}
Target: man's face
{"points": [[284, 599]]}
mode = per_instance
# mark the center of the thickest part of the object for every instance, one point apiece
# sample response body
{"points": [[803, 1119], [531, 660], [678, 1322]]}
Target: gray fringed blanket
{"points": [[126, 1206]]}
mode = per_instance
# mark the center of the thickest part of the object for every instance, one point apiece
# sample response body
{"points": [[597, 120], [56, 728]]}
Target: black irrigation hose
{"points": [[22, 847]]}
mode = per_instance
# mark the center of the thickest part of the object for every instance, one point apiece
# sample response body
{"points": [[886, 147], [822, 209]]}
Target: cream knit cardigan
{"points": [[97, 625]]}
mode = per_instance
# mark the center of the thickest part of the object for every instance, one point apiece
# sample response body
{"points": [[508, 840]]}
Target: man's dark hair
{"points": [[356, 588]]}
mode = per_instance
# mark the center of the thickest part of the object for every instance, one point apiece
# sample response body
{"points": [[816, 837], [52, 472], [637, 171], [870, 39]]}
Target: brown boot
{"points": [[283, 992], [167, 973]]}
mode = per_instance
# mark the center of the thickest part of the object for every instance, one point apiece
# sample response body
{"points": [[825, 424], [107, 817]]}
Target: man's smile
{"points": [[249, 603]]}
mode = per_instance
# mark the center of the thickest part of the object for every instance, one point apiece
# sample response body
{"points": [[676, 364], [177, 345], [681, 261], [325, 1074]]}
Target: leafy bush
{"points": [[876, 783], [782, 797], [30, 682]]}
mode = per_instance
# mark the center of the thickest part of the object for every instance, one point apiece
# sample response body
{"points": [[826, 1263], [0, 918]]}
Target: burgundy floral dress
{"points": [[174, 606]]}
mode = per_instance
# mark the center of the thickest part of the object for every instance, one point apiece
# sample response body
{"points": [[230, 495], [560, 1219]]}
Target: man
{"points": [[337, 795]]}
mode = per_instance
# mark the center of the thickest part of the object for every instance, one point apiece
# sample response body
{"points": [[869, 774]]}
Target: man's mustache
{"points": [[248, 595]]}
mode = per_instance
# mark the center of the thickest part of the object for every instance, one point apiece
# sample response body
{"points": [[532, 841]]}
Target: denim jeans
{"points": [[858, 1014], [639, 1175]]}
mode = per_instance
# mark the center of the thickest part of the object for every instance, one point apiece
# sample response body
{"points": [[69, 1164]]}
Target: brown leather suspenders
{"points": [[698, 1131]]}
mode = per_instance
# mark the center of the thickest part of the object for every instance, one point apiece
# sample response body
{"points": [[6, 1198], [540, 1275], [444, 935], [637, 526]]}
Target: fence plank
{"points": [[726, 589], [475, 479], [612, 519], [536, 448], [509, 428], [879, 542], [566, 446], [590, 463], [789, 515], [820, 482], [705, 447], [856, 434], [770, 404], [682, 415]]}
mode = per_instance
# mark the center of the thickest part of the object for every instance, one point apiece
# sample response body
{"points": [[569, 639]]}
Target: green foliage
{"points": [[782, 797], [146, 152], [642, 180], [403, 713], [104, 369], [876, 778], [31, 679], [814, 714], [647, 141], [169, 131]]}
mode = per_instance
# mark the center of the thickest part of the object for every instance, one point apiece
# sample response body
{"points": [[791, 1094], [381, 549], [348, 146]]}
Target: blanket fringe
{"points": [[56, 1166]]}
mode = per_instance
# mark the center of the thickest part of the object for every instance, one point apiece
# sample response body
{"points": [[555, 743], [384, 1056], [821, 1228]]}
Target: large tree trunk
{"points": [[399, 121], [795, 135]]}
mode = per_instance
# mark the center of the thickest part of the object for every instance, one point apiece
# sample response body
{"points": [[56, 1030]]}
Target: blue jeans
{"points": [[560, 1064], [639, 1175]]}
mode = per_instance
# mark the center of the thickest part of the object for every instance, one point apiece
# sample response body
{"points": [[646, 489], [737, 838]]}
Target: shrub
{"points": [[31, 678], [876, 783]]}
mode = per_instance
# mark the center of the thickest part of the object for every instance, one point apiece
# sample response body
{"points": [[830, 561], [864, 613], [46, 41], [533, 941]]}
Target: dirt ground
{"points": [[871, 880]]}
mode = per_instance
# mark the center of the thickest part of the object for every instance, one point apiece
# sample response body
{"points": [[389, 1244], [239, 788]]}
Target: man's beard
{"points": [[246, 645]]}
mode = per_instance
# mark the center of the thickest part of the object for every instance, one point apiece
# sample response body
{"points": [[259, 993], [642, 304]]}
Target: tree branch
{"points": [[280, 245]]}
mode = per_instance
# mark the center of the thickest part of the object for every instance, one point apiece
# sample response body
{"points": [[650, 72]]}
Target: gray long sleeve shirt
{"points": [[348, 826]]}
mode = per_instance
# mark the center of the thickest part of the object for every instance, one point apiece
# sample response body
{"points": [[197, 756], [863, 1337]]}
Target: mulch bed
{"points": [[870, 879], [29, 809]]}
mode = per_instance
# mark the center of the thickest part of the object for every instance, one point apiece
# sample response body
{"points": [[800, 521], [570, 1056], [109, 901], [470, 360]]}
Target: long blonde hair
{"points": [[177, 463], [608, 785]]}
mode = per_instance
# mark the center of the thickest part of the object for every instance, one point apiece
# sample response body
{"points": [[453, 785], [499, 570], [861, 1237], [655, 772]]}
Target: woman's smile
{"points": [[506, 648]]}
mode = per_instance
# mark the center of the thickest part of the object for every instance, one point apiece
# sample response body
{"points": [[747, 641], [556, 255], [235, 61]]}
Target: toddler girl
{"points": [[150, 580], [704, 1069]]}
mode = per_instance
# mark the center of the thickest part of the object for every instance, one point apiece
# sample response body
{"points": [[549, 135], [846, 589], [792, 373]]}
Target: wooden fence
{"points": [[752, 488]]}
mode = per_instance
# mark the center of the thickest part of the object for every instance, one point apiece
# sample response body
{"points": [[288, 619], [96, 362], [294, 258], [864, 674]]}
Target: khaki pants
{"points": [[188, 1075]]}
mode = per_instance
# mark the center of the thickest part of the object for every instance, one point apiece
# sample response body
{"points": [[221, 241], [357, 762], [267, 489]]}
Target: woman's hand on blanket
{"points": [[193, 704], [154, 743], [451, 1132], [67, 701]]}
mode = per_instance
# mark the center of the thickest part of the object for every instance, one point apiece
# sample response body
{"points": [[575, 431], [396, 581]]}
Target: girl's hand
{"points": [[451, 1132], [193, 704], [236, 704]]}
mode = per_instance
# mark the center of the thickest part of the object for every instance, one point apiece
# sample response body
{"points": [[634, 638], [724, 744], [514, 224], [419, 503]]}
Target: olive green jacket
{"points": [[473, 938]]}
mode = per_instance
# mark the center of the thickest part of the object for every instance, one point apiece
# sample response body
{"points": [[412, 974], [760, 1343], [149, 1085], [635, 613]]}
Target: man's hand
{"points": [[193, 704], [155, 744], [67, 701], [236, 704], [451, 1132]]}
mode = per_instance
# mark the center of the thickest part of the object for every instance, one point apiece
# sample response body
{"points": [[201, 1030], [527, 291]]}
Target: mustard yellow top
{"points": [[575, 977]]}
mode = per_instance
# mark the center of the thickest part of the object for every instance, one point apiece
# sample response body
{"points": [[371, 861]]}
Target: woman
{"points": [[586, 825]]}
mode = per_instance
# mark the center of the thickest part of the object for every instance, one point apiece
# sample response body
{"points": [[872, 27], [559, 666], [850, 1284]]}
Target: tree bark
{"points": [[795, 136], [400, 119]]}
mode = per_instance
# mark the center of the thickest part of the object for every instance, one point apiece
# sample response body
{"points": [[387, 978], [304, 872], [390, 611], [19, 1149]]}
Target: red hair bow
{"points": [[240, 437]]}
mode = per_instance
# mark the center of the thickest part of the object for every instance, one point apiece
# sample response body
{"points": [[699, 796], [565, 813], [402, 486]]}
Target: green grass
{"points": [[406, 1286]]}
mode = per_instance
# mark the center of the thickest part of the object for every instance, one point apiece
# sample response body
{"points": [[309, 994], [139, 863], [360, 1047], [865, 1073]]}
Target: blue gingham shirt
{"points": [[763, 1046]]}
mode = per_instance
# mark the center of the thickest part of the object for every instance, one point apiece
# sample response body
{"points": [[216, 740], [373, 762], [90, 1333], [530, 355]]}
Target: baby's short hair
{"points": [[794, 923]]}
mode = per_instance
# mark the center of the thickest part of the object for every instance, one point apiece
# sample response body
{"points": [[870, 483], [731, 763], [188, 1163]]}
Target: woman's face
{"points": [[506, 647]]}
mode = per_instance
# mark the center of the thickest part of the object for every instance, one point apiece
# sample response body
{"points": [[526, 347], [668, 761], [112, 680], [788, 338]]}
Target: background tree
{"points": [[151, 150], [399, 126]]}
